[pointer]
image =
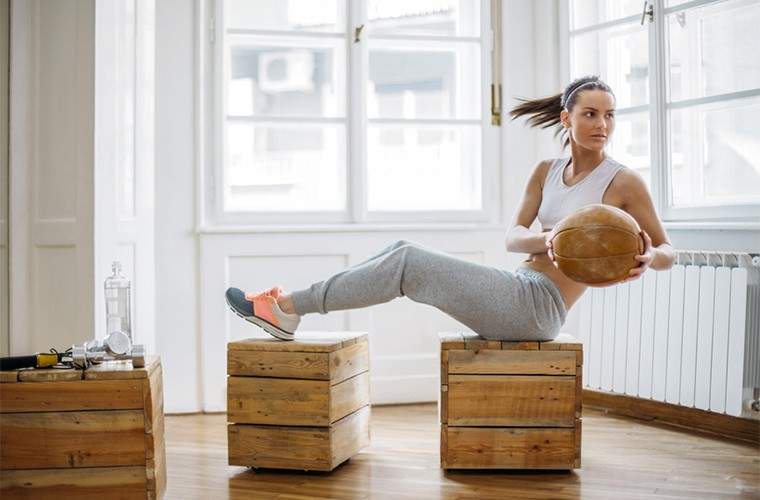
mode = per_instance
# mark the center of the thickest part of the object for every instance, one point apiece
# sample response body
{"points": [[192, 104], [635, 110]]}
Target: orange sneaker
{"points": [[262, 310]]}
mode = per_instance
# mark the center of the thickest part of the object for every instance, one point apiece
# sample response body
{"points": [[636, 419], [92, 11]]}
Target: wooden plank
{"points": [[444, 356], [259, 400], [578, 358], [306, 448], [155, 471], [443, 404], [71, 396], [512, 362], [564, 342], [122, 370], [444, 446], [307, 365], [578, 432], [94, 483], [451, 340], [578, 391], [521, 346], [153, 398], [692, 419], [481, 343], [9, 376], [349, 435], [348, 396], [348, 362], [508, 448], [71, 439], [49, 375], [511, 400], [304, 342]]}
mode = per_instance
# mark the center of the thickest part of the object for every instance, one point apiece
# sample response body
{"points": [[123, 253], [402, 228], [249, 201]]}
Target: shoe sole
{"points": [[264, 324]]}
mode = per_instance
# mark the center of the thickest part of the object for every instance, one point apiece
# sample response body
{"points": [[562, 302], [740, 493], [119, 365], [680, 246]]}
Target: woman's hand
{"points": [[645, 259]]}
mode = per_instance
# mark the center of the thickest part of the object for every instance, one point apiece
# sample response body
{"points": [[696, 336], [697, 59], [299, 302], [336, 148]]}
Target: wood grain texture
{"points": [[273, 401], [72, 439], [86, 483], [304, 342], [443, 404], [470, 340], [71, 396], [349, 435], [9, 376], [511, 400], [348, 396], [509, 448], [259, 400], [348, 362], [739, 428], [49, 375], [305, 448], [622, 458], [305, 365], [517, 362], [122, 370]]}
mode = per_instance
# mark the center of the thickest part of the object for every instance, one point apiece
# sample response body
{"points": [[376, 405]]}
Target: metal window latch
{"points": [[648, 12], [358, 33]]}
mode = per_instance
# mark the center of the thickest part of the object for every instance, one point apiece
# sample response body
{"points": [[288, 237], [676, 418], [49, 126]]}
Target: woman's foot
{"points": [[263, 310]]}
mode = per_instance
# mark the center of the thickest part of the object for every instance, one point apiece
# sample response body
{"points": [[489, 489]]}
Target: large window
{"points": [[351, 111], [687, 79]]}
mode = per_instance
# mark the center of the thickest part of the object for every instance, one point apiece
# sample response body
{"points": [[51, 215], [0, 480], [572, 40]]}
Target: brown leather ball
{"points": [[597, 244]]}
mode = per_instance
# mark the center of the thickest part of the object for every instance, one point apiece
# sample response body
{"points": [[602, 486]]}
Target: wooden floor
{"points": [[622, 458]]}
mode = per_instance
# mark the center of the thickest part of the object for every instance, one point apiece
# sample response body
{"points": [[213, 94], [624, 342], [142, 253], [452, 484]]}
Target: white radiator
{"points": [[689, 336]]}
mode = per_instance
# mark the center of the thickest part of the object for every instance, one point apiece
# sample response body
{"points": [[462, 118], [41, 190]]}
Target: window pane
{"points": [[423, 168], [620, 56], [715, 153], [285, 167], [424, 81], [630, 143], [588, 12], [713, 50], [282, 77], [424, 17], [299, 15]]}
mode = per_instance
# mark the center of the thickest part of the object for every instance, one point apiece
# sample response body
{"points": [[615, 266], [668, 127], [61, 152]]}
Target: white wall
{"points": [[81, 167]]}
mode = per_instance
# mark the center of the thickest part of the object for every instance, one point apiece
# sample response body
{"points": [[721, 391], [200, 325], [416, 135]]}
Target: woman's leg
{"points": [[493, 302]]}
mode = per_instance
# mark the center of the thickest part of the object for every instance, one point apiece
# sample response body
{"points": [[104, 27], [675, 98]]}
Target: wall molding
{"points": [[726, 426]]}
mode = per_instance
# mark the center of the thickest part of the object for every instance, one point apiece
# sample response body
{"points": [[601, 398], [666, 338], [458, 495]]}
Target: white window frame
{"points": [[658, 113], [210, 131]]}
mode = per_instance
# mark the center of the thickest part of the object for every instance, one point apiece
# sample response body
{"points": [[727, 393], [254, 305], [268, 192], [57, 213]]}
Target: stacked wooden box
{"points": [[97, 433], [510, 405], [302, 404]]}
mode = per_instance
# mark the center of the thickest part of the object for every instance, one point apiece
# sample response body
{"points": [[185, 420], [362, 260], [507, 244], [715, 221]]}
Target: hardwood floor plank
{"points": [[622, 458]]}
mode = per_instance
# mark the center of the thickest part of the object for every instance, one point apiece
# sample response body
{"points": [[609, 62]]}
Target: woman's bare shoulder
{"points": [[628, 185]]}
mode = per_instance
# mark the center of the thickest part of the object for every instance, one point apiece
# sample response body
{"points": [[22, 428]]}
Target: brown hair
{"points": [[544, 112]]}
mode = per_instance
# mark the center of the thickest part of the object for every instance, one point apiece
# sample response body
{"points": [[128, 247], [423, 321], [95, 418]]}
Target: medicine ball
{"points": [[597, 244]]}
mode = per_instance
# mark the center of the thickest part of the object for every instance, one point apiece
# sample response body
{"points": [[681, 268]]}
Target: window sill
{"points": [[347, 227], [713, 226]]}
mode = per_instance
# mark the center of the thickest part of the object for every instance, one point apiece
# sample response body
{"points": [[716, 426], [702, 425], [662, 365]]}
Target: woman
{"points": [[529, 304]]}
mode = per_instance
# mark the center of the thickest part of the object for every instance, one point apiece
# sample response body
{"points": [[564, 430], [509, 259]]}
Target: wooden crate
{"points": [[302, 404], [97, 433], [510, 405]]}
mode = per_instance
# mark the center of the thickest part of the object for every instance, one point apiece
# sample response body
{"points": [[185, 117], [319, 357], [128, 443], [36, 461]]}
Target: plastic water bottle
{"points": [[117, 289]]}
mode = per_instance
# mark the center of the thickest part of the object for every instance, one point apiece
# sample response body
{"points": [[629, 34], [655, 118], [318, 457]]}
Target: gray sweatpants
{"points": [[496, 304]]}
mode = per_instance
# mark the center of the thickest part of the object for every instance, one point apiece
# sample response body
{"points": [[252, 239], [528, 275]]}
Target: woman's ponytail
{"points": [[545, 112]]}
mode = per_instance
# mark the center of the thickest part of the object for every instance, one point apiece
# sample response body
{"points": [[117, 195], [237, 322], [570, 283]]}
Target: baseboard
{"points": [[727, 426]]}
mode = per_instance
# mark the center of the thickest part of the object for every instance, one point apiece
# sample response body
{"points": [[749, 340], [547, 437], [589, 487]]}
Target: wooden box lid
{"points": [[469, 340], [304, 342], [110, 370]]}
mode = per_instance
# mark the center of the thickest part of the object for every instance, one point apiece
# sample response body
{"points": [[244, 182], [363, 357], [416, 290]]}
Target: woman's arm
{"points": [[519, 237], [638, 202]]}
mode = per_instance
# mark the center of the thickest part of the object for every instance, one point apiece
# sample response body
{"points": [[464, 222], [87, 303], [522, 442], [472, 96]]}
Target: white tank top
{"points": [[559, 200]]}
